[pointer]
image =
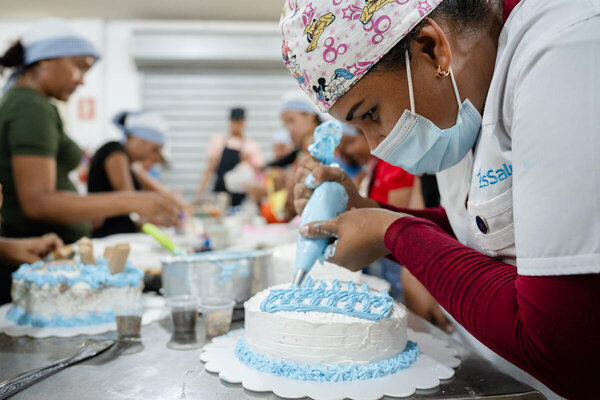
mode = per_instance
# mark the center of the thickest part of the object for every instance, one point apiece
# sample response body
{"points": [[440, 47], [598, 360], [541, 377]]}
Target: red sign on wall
{"points": [[86, 108]]}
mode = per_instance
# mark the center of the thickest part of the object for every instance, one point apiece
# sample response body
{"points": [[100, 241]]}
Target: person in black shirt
{"points": [[116, 166], [300, 118]]}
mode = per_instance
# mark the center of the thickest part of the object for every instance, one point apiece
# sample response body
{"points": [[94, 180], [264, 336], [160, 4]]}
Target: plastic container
{"points": [[216, 312], [184, 314], [128, 316]]}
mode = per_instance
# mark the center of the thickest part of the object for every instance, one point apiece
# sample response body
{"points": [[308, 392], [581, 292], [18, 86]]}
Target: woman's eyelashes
{"points": [[370, 114]]}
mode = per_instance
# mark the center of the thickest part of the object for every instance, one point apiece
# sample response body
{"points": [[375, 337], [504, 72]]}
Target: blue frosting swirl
{"points": [[97, 276], [64, 267], [18, 316], [324, 373], [327, 137], [360, 303]]}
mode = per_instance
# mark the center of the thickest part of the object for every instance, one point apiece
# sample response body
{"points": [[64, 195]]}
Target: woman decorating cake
{"points": [[506, 115], [119, 165], [300, 118], [36, 155]]}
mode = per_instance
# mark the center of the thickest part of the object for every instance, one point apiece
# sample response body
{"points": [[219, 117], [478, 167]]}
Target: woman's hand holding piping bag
{"points": [[358, 236]]}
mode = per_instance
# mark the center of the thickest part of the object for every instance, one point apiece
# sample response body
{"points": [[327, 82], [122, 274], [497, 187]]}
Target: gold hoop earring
{"points": [[441, 74]]}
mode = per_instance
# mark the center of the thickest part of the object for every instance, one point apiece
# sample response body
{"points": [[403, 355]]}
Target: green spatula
{"points": [[163, 239]]}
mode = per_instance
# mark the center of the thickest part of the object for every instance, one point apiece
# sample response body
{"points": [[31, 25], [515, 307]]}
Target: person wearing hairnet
{"points": [[36, 155], [506, 114], [300, 118], [121, 165]]}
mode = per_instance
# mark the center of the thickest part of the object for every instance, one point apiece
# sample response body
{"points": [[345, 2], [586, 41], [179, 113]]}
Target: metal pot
{"points": [[234, 274]]}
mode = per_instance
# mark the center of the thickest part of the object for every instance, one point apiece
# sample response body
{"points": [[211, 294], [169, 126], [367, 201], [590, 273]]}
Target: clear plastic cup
{"points": [[217, 313], [128, 316], [184, 313]]}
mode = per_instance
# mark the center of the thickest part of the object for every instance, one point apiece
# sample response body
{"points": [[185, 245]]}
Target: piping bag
{"points": [[328, 200]]}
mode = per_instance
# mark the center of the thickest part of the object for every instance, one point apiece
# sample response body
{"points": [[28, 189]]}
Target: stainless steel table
{"points": [[157, 372]]}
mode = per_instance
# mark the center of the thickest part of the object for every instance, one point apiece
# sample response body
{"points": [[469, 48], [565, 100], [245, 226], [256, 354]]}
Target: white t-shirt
{"points": [[533, 183]]}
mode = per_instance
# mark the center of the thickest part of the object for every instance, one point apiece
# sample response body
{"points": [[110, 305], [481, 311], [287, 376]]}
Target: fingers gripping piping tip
{"points": [[310, 181], [329, 252]]}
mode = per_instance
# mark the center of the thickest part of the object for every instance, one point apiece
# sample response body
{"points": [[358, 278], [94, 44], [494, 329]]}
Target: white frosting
{"points": [[78, 300], [323, 338]]}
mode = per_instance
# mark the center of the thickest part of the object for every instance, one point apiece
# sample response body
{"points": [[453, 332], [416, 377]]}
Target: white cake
{"points": [[68, 294], [316, 328]]}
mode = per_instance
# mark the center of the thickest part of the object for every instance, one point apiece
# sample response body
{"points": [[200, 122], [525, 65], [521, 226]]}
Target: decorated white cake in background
{"points": [[325, 331], [65, 293]]}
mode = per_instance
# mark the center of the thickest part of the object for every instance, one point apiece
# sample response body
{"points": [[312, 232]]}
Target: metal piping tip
{"points": [[299, 276]]}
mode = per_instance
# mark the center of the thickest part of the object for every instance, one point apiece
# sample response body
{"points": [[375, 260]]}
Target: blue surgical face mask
{"points": [[418, 146]]}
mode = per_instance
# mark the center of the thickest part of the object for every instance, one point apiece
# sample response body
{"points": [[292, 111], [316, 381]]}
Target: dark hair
{"points": [[14, 56], [121, 118], [237, 114], [464, 14]]}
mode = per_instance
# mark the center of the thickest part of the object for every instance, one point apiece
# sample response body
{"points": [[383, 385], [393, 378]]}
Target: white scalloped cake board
{"points": [[155, 310], [435, 362]]}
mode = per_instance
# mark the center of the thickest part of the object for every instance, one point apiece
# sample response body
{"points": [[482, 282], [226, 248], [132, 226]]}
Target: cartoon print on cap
{"points": [[314, 30], [292, 5], [321, 90], [346, 38], [371, 7], [336, 86], [289, 59]]}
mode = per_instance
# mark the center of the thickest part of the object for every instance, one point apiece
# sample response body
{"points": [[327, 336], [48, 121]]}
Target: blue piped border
{"points": [[18, 316], [323, 373], [96, 276]]}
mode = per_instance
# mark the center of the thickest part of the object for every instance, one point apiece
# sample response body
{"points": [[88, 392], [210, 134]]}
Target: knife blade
{"points": [[91, 348]]}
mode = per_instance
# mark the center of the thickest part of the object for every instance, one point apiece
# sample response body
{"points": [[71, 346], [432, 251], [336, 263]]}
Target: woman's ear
{"points": [[431, 46], [45, 65]]}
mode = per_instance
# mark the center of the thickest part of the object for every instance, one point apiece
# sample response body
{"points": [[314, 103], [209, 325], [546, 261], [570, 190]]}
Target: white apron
{"points": [[529, 195]]}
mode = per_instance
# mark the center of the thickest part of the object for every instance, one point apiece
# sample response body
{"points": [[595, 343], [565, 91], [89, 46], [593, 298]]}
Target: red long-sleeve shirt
{"points": [[508, 7], [548, 326]]}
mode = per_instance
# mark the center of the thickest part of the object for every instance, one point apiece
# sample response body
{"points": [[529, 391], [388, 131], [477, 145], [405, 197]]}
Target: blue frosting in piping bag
{"points": [[327, 137], [328, 200]]}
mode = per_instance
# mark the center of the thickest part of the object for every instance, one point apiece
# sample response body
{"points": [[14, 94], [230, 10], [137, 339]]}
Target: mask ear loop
{"points": [[455, 88], [410, 86]]}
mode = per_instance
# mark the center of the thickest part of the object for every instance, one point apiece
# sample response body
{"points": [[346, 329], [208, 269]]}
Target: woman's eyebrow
{"points": [[350, 115]]}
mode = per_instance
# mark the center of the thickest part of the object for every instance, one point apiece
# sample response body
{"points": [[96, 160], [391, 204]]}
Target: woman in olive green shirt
{"points": [[36, 155]]}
